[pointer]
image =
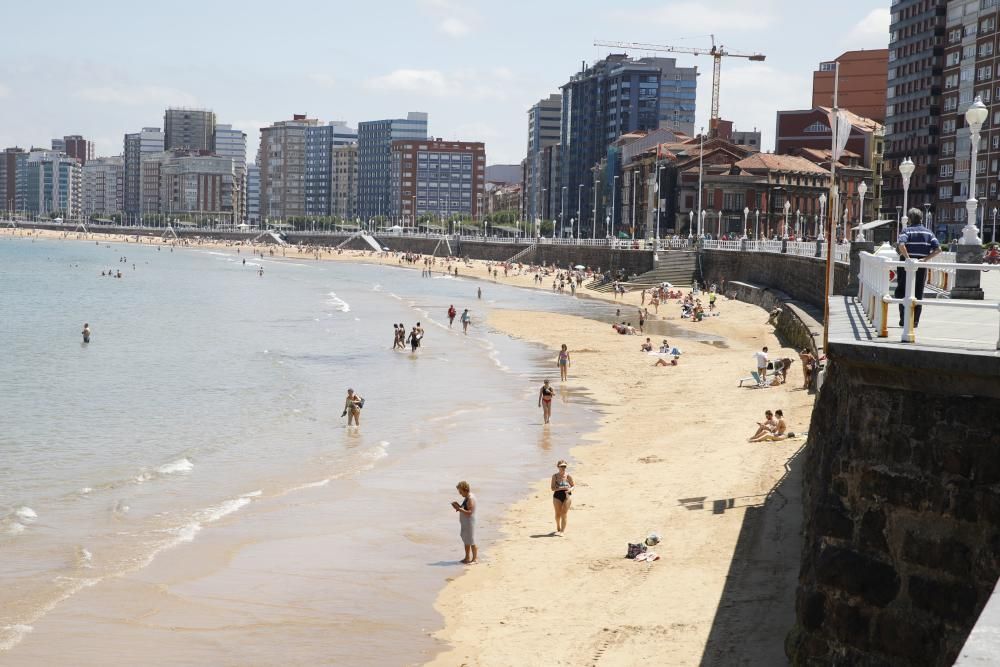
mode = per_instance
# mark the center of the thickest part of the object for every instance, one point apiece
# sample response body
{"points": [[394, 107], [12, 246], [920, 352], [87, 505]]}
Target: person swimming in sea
{"points": [[86, 332]]}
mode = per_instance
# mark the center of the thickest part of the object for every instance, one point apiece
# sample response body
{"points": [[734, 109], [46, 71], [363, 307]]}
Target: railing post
{"points": [[909, 307], [967, 282], [819, 248], [857, 247], [743, 245], [784, 246]]}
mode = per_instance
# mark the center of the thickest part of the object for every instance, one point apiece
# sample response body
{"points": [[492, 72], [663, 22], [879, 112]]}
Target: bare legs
{"points": [[546, 410], [474, 554], [563, 372], [561, 509]]}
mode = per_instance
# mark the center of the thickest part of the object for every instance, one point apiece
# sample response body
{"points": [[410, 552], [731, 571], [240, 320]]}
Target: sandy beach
{"points": [[671, 456]]}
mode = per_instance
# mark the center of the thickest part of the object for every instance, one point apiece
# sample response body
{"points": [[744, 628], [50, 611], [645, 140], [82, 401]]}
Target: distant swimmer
{"points": [[244, 261], [451, 315], [479, 292], [466, 319], [352, 408], [86, 332], [260, 271]]}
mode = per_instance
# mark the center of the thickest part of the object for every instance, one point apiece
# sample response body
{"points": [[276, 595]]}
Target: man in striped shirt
{"points": [[917, 242]]}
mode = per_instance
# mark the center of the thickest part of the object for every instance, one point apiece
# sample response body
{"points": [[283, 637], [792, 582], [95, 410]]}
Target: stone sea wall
{"points": [[801, 278], [901, 503]]}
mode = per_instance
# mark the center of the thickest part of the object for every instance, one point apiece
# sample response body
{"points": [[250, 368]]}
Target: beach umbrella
{"points": [[579, 267]]}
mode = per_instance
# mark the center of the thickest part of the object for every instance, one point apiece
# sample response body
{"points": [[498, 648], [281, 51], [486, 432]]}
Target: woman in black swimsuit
{"points": [[562, 496], [545, 400]]}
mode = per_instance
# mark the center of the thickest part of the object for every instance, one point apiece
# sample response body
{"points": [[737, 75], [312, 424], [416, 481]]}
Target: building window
{"points": [[947, 169], [954, 58], [986, 49], [817, 127], [949, 125], [985, 73]]}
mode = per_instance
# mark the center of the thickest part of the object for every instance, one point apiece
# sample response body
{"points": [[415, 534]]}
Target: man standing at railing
{"points": [[917, 242]]}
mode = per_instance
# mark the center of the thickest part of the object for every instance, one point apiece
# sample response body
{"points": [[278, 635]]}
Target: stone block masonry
{"points": [[901, 502], [801, 278]]}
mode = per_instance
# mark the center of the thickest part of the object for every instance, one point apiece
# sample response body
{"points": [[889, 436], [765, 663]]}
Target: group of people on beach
{"points": [[772, 429], [400, 339]]}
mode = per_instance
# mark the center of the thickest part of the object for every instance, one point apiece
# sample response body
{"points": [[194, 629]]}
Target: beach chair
{"points": [[755, 377]]}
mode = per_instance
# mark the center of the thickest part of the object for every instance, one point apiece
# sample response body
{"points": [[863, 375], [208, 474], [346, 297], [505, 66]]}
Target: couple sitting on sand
{"points": [[771, 429], [624, 329]]}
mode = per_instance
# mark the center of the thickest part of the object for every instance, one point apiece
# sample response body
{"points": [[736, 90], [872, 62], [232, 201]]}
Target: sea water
{"points": [[186, 480]]}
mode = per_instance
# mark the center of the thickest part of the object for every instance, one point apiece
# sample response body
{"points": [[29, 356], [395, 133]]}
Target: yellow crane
{"points": [[717, 53]]}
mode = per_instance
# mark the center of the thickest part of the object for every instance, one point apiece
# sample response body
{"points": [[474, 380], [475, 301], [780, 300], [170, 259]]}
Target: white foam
{"points": [[180, 465], [25, 514], [310, 485], [85, 490], [11, 635], [14, 528], [338, 303], [84, 558]]}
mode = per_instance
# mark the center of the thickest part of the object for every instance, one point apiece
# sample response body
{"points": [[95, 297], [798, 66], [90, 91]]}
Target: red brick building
{"points": [[437, 178], [862, 87]]}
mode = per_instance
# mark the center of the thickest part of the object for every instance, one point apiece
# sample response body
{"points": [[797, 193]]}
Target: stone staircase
{"points": [[677, 267]]}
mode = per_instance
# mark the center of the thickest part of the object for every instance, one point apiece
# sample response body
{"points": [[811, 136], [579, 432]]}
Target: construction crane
{"points": [[717, 53]]}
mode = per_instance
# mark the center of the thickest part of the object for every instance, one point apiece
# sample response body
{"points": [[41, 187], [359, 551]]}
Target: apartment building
{"points": [[375, 140], [281, 159], [189, 129], [437, 178], [103, 190], [344, 181]]}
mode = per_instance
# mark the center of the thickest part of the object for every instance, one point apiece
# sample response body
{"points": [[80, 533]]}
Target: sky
{"points": [[107, 67]]}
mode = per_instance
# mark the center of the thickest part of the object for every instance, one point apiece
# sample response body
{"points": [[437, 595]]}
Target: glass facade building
{"points": [[375, 159], [320, 142]]}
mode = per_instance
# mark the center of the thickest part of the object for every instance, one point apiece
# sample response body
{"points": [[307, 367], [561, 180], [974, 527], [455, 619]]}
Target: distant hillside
{"points": [[503, 173]]}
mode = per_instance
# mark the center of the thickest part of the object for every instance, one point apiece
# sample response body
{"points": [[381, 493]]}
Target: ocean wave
{"points": [[25, 514], [187, 532], [11, 635], [338, 303], [180, 465], [84, 559], [16, 521]]}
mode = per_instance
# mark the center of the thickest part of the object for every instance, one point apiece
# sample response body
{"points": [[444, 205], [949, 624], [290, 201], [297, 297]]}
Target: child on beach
{"points": [[564, 363]]}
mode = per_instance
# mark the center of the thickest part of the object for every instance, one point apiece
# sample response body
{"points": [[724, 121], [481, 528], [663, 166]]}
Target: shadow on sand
{"points": [[757, 607]]}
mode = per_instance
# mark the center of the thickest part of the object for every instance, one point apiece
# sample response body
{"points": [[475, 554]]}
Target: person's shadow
{"points": [[445, 563]]}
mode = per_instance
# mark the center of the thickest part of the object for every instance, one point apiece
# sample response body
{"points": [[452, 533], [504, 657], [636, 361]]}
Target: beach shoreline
{"points": [[531, 572]]}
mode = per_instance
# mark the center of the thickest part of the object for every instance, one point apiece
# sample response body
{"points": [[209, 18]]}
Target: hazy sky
{"points": [[107, 67]]}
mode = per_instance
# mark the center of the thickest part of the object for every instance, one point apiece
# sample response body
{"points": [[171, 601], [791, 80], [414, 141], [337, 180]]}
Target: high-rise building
{"points": [[344, 182], [232, 143], [13, 180], [375, 161], [615, 96], [103, 190], [76, 146], [189, 129], [437, 178], [138, 145], [970, 70], [861, 86], [253, 194], [914, 99], [200, 185], [281, 158], [543, 130], [320, 141], [53, 184]]}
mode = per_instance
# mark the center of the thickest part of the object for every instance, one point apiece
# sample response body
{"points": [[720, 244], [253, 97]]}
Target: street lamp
{"points": [[579, 199], [906, 168], [571, 223], [614, 192], [862, 191], [993, 231], [594, 212], [784, 227], [690, 223], [701, 224], [607, 226], [746, 212], [975, 116], [756, 229], [798, 223], [822, 215], [562, 208]]}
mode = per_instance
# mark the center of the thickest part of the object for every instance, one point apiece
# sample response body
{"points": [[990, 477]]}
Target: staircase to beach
{"points": [[677, 267]]}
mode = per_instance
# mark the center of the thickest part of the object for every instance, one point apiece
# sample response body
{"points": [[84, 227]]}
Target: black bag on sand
{"points": [[634, 550]]}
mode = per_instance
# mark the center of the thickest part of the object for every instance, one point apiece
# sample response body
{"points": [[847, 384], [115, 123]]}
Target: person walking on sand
{"points": [[466, 320], [761, 358], [467, 521], [352, 408], [808, 366], [451, 315], [479, 292], [564, 363], [86, 332], [562, 492], [545, 395]]}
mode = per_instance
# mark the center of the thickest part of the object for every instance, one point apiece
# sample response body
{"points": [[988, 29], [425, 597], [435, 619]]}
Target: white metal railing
{"points": [[801, 248], [942, 278], [715, 244], [842, 253], [875, 298]]}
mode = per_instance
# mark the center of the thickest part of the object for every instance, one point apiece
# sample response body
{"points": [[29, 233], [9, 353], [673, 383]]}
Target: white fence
{"points": [[841, 251], [874, 296]]}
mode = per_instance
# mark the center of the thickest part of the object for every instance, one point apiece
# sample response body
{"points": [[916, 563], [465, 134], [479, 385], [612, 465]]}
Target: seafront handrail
{"points": [[875, 298]]}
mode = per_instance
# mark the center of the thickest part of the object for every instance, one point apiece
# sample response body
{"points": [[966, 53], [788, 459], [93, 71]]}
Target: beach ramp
{"points": [[364, 236]]}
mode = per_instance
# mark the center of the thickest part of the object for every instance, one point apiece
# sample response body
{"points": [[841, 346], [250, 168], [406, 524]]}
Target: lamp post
{"points": [[579, 199], [906, 168], [635, 173], [614, 191], [993, 231], [594, 234], [690, 223], [862, 191], [756, 229], [784, 227], [746, 213], [798, 223], [701, 153], [607, 226], [562, 208], [719, 233], [975, 116], [656, 189], [572, 221], [822, 215]]}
